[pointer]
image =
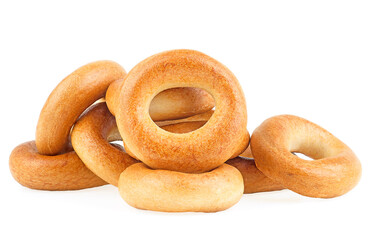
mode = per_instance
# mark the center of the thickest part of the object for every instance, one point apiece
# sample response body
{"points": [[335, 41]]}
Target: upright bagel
{"points": [[69, 99], [196, 151], [61, 172], [170, 104], [90, 138], [168, 191], [254, 180], [335, 170]]}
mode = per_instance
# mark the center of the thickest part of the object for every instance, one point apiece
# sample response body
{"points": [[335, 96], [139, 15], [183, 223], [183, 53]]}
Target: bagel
{"points": [[169, 191], [254, 180], [61, 172], [69, 99], [335, 170], [198, 151], [90, 138], [170, 104]]}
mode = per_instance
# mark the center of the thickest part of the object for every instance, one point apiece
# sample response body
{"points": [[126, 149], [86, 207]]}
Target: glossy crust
{"points": [[190, 124], [90, 138], [196, 151], [169, 191], [167, 105], [254, 180], [335, 170], [61, 172], [69, 99]]}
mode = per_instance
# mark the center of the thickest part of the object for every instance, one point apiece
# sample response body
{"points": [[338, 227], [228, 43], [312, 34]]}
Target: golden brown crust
{"points": [[195, 118], [190, 124], [184, 127], [169, 191], [61, 172], [205, 148], [335, 171], [254, 180], [89, 139], [69, 99], [170, 104]]}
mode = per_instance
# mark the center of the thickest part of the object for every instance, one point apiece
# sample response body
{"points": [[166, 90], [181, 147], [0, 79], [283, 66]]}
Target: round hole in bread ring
{"points": [[90, 138], [170, 104], [69, 99], [197, 151], [335, 170], [254, 180], [170, 191], [61, 172]]}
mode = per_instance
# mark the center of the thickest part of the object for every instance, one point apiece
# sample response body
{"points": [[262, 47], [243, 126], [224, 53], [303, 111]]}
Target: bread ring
{"points": [[90, 138], [335, 171], [254, 180], [69, 99], [173, 103], [61, 172], [197, 151], [169, 191]]}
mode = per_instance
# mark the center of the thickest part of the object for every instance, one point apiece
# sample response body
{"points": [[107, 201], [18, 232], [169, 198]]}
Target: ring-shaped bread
{"points": [[61, 172], [335, 170], [198, 151], [90, 139], [170, 191], [69, 99]]}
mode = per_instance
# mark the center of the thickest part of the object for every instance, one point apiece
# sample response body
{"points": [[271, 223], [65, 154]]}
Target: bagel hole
{"points": [[302, 156], [118, 144], [182, 110]]}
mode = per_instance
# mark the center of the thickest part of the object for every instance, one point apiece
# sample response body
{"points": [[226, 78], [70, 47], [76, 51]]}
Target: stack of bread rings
{"points": [[181, 116]]}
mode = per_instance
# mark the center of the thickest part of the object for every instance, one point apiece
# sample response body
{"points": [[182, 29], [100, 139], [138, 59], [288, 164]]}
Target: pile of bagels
{"points": [[181, 116]]}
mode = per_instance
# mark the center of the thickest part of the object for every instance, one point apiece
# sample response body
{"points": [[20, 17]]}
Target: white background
{"points": [[307, 58]]}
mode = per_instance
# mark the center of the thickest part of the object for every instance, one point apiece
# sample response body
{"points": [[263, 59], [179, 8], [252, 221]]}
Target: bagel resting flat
{"points": [[196, 151], [61, 172], [335, 170], [170, 191]]}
